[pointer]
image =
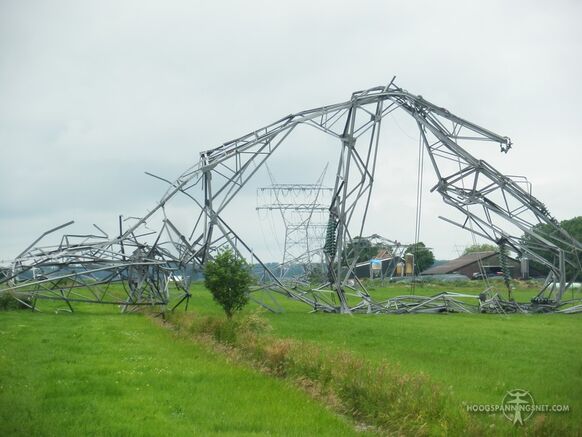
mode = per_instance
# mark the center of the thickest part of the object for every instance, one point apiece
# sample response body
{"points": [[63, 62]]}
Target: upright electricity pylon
{"points": [[303, 209]]}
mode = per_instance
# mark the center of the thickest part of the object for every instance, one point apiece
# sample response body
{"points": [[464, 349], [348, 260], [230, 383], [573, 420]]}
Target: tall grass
{"points": [[378, 394]]}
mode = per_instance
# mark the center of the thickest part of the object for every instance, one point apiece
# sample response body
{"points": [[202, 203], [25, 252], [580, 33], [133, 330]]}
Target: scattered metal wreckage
{"points": [[154, 251]]}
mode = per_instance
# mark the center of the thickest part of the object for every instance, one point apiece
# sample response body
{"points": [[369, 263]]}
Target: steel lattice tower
{"points": [[303, 208]]}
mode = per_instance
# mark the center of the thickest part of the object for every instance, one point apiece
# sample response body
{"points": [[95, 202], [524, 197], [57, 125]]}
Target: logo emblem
{"points": [[518, 406]]}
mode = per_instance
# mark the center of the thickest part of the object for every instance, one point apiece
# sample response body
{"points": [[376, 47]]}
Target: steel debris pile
{"points": [[152, 253]]}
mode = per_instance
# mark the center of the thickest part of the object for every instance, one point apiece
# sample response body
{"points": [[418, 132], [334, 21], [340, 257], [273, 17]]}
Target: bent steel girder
{"points": [[494, 204], [78, 270], [162, 247]]}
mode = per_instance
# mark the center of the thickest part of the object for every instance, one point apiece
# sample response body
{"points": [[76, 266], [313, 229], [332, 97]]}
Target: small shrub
{"points": [[9, 302], [228, 278]]}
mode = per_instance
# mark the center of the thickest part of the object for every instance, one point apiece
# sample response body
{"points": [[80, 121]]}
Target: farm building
{"points": [[473, 264], [384, 267]]}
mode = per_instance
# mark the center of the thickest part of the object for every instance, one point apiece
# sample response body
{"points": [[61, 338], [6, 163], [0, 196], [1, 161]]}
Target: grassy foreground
{"points": [[475, 358], [97, 372]]}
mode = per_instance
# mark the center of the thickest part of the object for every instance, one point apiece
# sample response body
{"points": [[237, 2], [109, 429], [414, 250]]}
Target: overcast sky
{"points": [[94, 93]]}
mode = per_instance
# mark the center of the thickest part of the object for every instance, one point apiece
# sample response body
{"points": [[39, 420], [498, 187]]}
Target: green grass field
{"points": [[102, 373], [477, 357], [98, 372]]}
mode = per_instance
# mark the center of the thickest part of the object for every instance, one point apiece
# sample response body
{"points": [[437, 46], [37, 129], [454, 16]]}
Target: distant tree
{"points": [[362, 247], [572, 226], [423, 257], [480, 248], [316, 275], [228, 278], [359, 247]]}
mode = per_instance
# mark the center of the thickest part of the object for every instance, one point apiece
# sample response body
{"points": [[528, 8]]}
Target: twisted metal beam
{"points": [[154, 251]]}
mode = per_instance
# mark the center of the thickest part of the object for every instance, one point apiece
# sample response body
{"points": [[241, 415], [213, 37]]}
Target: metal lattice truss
{"points": [[303, 209], [162, 247]]}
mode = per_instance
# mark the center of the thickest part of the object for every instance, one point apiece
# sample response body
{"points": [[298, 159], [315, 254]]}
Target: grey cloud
{"points": [[94, 93]]}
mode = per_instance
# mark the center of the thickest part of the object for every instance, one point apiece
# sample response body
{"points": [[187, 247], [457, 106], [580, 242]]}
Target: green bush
{"points": [[9, 302], [228, 278]]}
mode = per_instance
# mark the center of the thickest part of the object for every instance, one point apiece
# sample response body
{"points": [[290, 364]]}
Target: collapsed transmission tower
{"points": [[303, 208], [156, 249]]}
